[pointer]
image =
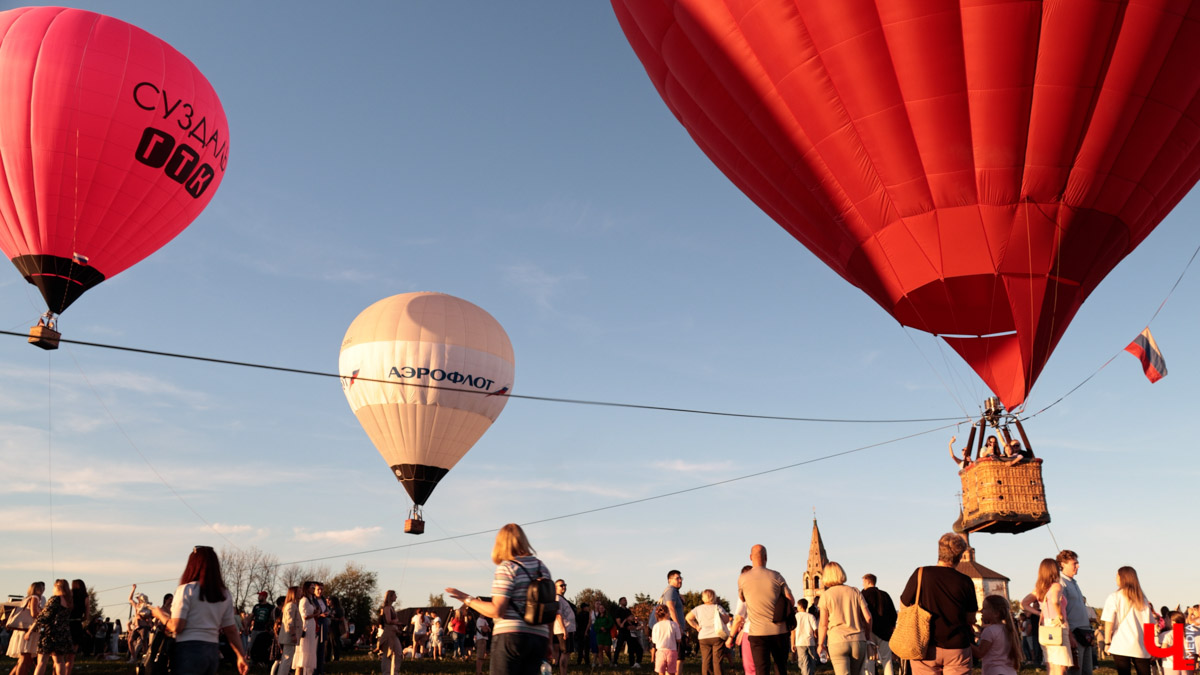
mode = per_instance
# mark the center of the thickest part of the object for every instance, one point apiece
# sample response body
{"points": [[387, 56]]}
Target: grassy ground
{"points": [[365, 665]]}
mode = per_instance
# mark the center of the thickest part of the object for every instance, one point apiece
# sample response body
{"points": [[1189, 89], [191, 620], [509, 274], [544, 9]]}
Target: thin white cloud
{"points": [[537, 283], [448, 564], [526, 486], [682, 466], [356, 536], [36, 520], [248, 533], [95, 566]]}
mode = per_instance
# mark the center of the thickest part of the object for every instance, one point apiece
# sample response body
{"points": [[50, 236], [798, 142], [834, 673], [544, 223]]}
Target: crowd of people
{"points": [[848, 627]]}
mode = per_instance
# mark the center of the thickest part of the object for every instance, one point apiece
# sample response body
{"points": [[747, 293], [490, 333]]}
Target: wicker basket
{"points": [[997, 497]]}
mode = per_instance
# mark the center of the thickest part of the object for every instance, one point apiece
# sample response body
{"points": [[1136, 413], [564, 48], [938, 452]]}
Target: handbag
{"points": [[785, 612], [910, 639], [1054, 635], [719, 623], [20, 620]]}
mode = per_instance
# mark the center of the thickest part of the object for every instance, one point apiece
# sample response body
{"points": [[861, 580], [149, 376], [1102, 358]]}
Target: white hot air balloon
{"points": [[426, 374]]}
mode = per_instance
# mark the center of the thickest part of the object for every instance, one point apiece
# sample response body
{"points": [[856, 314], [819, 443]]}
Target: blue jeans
{"points": [[807, 660], [196, 658]]}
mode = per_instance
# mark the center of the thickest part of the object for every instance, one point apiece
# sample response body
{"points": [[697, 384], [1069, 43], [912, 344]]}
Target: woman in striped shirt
{"points": [[517, 647]]}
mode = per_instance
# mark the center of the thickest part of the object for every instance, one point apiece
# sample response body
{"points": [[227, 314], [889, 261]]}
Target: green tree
{"points": [[356, 588], [438, 600], [639, 598], [95, 609], [693, 599], [642, 611], [592, 596]]}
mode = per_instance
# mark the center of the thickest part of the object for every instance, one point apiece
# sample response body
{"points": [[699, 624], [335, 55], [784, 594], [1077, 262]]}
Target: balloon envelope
{"points": [[111, 143], [976, 168], [426, 374]]}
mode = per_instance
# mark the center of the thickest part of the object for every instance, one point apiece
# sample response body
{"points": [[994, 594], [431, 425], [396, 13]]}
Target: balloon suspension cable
{"points": [[995, 416]]}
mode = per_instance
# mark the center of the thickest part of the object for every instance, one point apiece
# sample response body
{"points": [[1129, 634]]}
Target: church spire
{"points": [[816, 564]]}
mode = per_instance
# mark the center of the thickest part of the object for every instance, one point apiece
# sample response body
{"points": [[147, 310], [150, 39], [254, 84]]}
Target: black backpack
{"points": [[541, 601]]}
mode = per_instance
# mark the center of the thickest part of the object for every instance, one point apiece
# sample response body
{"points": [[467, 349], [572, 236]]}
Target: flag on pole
{"points": [[1146, 349]]}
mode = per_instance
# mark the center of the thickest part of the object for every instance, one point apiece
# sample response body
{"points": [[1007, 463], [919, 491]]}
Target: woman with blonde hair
{"points": [[1125, 612], [23, 645], [707, 619], [391, 651], [1050, 604], [54, 630], [844, 628], [289, 632], [517, 647]]}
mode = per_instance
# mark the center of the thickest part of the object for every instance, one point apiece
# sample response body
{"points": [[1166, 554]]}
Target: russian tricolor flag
{"points": [[1146, 349]]}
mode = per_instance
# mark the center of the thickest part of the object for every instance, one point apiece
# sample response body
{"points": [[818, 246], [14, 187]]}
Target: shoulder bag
{"points": [[20, 620], [1053, 634], [719, 626], [785, 611], [910, 638]]}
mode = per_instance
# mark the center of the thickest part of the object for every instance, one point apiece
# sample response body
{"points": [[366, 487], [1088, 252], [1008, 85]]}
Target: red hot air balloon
{"points": [[975, 167], [111, 144]]}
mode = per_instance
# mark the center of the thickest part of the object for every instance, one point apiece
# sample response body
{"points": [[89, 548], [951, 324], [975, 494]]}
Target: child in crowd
{"points": [[999, 648], [1191, 632], [666, 642], [435, 638], [1166, 638], [482, 630]]}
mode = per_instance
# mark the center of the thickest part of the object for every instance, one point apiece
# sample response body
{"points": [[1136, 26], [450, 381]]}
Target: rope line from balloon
{"points": [[1122, 350], [598, 509], [528, 397], [145, 459], [50, 457]]}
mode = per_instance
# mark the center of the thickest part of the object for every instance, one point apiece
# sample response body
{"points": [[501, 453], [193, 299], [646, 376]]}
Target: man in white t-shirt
{"points": [[564, 627]]}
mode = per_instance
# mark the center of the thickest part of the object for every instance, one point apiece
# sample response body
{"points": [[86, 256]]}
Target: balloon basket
{"points": [[997, 497], [415, 523], [1001, 493], [44, 336]]}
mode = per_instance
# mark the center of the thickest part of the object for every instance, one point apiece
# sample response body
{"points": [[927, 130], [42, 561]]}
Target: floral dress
{"points": [[54, 622]]}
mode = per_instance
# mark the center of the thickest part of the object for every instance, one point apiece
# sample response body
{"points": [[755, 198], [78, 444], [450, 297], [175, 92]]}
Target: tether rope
{"points": [[528, 397]]}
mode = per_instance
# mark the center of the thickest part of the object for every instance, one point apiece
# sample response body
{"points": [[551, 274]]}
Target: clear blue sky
{"points": [[516, 155]]}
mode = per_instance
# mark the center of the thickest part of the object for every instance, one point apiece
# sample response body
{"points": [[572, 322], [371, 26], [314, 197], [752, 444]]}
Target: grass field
{"points": [[363, 664]]}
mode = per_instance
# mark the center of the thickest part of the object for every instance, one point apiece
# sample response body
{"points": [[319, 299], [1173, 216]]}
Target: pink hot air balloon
{"points": [[111, 143]]}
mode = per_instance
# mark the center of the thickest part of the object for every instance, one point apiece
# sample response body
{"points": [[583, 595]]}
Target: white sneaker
{"points": [[636, 666]]}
